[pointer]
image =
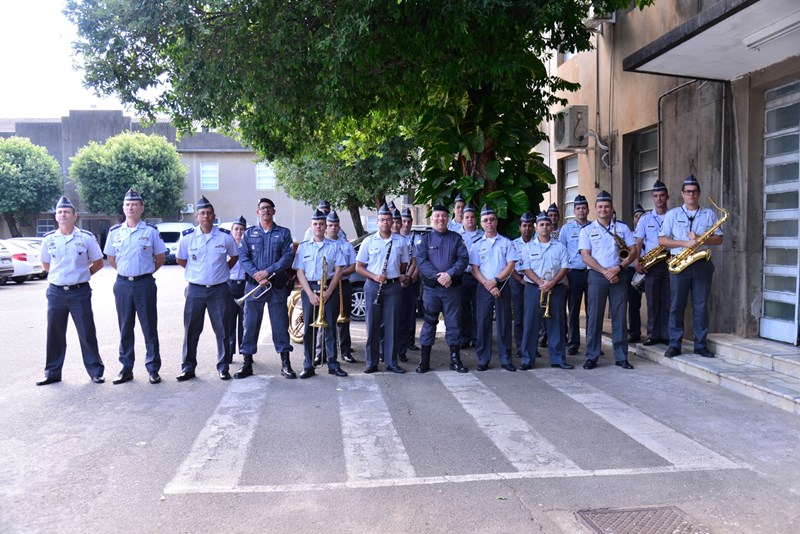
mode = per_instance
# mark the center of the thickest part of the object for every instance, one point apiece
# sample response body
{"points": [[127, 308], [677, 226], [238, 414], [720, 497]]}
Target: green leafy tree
{"points": [[349, 181], [30, 180], [147, 163], [466, 78]]}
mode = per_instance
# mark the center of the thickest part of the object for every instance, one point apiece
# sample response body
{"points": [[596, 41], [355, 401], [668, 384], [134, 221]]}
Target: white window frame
{"points": [[265, 176], [571, 185], [209, 176], [645, 175], [45, 225]]}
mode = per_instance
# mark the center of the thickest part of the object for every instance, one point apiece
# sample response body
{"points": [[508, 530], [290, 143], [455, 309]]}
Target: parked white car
{"points": [[27, 261], [171, 234], [6, 265]]}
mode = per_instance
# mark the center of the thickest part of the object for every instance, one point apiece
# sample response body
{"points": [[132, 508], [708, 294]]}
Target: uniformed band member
{"points": [[492, 260], [681, 229], [397, 221], [266, 254], [442, 258], [458, 213], [656, 281], [308, 264], [70, 256], [517, 283], [325, 207], [635, 294], [545, 265], [608, 279], [555, 219], [135, 249], [471, 234], [207, 254], [577, 275], [382, 260], [409, 292], [236, 284], [333, 232]]}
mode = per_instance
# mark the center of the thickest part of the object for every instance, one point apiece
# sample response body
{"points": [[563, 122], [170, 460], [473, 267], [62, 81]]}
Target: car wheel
{"points": [[359, 303], [3, 280], [20, 279]]}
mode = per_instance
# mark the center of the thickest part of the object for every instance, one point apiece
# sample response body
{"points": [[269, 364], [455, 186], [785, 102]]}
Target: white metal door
{"points": [[781, 278]]}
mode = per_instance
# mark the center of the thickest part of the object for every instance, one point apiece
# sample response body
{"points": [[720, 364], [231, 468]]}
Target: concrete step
{"points": [[763, 353], [731, 370]]}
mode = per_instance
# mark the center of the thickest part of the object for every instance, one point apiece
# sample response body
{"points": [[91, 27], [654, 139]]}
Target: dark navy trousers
{"points": [[468, 324], [387, 313], [556, 339], [137, 297], [696, 279], [235, 316], [576, 294], [438, 300], [486, 306], [216, 299], [600, 290], [518, 306], [311, 334], [657, 289], [634, 307], [275, 299], [408, 317], [61, 304]]}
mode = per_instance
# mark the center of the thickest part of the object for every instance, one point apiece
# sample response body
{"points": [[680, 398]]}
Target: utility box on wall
{"points": [[570, 129]]}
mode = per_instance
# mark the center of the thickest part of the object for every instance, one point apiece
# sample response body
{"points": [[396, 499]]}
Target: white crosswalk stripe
{"points": [[373, 449]]}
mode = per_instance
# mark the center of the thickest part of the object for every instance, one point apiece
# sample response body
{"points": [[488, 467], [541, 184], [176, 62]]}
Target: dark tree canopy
{"points": [[30, 180], [465, 78], [147, 163]]}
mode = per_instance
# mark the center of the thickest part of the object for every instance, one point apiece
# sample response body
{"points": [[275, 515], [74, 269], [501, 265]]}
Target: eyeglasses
{"points": [[266, 208], [691, 191]]}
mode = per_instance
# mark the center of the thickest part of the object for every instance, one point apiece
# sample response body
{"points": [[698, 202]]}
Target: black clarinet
{"points": [[377, 300]]}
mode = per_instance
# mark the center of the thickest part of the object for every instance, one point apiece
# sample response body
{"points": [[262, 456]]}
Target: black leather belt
{"points": [[67, 288], [208, 286], [316, 283], [134, 278], [237, 282], [579, 270], [391, 280]]}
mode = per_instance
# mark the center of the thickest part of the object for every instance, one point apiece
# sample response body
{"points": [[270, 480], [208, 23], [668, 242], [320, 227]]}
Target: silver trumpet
{"points": [[252, 293]]}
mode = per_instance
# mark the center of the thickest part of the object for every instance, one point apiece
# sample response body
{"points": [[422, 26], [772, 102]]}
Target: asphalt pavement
{"points": [[546, 450]]}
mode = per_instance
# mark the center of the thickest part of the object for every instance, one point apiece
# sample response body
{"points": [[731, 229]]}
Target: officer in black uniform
{"points": [[135, 249], [442, 258], [266, 254]]}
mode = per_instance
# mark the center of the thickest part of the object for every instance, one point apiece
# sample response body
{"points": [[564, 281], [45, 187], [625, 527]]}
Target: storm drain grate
{"points": [[665, 520]]}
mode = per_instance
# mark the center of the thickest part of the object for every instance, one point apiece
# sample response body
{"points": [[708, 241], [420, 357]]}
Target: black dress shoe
{"points": [[413, 347], [634, 339], [307, 373], [48, 380], [396, 369], [705, 353], [224, 375], [402, 357], [624, 364], [590, 364], [650, 342], [348, 358], [370, 370], [671, 352], [154, 377], [509, 367], [338, 371], [184, 376], [122, 378], [98, 379], [562, 365], [543, 343], [572, 351], [525, 367], [482, 367]]}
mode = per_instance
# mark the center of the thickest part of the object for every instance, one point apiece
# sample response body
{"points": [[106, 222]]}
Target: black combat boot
{"points": [[286, 366], [247, 367], [455, 360], [424, 360]]}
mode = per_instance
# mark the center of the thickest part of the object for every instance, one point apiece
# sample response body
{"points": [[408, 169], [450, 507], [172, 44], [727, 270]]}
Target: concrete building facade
{"points": [[705, 88]]}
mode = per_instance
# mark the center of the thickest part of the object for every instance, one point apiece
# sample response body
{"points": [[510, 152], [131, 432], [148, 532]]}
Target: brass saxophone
{"points": [[623, 253], [688, 256], [653, 256]]}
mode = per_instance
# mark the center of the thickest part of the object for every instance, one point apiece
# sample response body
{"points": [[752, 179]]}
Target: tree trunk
{"points": [[11, 222], [355, 214]]}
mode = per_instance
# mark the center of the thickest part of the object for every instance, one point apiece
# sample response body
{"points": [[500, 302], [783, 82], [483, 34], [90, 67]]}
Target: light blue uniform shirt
{"points": [[492, 254], [206, 255], [348, 253], [544, 258], [453, 225], [470, 238], [134, 249], [69, 256], [238, 271], [569, 236], [601, 245], [648, 228], [373, 253], [678, 222], [519, 246], [309, 258]]}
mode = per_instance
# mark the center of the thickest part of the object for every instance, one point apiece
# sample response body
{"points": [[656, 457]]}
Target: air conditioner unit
{"points": [[188, 208], [570, 129], [594, 20]]}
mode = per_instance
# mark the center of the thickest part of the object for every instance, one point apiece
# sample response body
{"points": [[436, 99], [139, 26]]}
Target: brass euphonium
{"points": [[544, 299], [320, 320]]}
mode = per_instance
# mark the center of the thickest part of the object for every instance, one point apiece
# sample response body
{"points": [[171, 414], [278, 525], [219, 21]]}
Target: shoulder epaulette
{"points": [[151, 225], [187, 231], [225, 231], [115, 226], [86, 232], [476, 238], [51, 232]]}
